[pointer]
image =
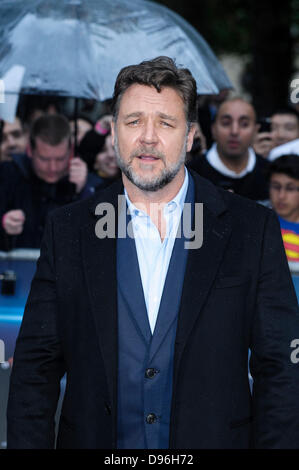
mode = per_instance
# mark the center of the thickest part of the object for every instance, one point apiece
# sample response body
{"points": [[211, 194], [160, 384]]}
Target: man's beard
{"points": [[157, 182]]}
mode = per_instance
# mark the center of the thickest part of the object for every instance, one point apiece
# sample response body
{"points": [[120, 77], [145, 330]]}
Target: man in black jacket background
{"points": [[33, 184], [231, 162]]}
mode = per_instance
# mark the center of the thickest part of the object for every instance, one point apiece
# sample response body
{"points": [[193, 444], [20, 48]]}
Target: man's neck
{"points": [[236, 164]]}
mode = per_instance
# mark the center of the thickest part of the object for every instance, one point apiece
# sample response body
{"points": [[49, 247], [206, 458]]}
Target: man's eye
{"points": [[166, 124], [133, 123], [16, 134]]}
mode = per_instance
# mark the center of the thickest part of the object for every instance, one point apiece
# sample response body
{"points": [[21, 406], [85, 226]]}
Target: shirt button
{"points": [[150, 373], [151, 418]]}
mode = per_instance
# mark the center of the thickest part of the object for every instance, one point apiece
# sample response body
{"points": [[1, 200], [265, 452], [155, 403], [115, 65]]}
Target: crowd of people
{"points": [[48, 159], [44, 165]]}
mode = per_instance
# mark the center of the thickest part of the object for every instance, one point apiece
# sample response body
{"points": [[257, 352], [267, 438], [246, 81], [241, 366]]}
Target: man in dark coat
{"points": [[152, 324], [34, 184]]}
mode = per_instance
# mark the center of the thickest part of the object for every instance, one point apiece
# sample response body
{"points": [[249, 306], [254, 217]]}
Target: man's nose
{"points": [[52, 166], [235, 128], [10, 140], [282, 193], [149, 133], [279, 133]]}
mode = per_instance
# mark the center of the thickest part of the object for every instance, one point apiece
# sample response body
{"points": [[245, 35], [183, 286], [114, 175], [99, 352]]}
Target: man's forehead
{"points": [[45, 148], [284, 118], [12, 126], [236, 108], [283, 177], [144, 95]]}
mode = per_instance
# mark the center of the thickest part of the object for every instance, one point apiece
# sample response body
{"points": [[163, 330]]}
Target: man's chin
{"points": [[50, 180], [152, 184]]}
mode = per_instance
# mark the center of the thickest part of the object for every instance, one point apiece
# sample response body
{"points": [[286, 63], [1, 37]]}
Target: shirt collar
{"points": [[171, 206], [215, 161]]}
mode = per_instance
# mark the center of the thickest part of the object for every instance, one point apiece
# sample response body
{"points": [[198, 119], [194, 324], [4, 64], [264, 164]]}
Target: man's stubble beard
{"points": [[155, 183]]}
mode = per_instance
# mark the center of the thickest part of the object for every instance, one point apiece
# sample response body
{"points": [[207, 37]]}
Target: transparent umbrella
{"points": [[77, 47]]}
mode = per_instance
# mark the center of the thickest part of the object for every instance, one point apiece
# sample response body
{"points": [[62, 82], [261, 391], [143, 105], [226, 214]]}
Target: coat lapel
{"points": [[99, 262], [202, 263]]}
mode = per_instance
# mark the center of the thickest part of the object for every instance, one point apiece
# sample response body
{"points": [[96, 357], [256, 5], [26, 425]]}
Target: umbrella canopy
{"points": [[77, 47]]}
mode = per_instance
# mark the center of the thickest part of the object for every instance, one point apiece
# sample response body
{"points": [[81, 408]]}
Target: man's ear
{"points": [[190, 137], [112, 131]]}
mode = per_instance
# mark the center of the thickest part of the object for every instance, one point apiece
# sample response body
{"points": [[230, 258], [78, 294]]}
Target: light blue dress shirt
{"points": [[153, 254]]}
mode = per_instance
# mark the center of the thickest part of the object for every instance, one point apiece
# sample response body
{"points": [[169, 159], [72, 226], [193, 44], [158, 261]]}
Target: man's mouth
{"points": [[148, 158], [233, 143]]}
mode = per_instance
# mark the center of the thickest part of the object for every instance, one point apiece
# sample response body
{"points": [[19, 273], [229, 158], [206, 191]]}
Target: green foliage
{"points": [[228, 26]]}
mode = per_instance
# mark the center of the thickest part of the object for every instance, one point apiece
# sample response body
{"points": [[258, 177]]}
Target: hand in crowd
{"points": [[13, 222], [78, 173], [263, 143]]}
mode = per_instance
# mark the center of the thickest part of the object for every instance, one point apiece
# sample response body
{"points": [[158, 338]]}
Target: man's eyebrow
{"points": [[228, 116], [140, 113], [135, 114], [167, 117], [225, 116]]}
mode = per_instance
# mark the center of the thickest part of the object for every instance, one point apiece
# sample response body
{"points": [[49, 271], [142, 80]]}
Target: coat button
{"points": [[150, 373], [151, 418]]}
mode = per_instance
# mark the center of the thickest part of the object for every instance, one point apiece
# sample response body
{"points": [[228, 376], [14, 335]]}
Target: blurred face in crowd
{"points": [[14, 139], [82, 127], [285, 127], [234, 129], [50, 163], [150, 136], [105, 162], [284, 196]]}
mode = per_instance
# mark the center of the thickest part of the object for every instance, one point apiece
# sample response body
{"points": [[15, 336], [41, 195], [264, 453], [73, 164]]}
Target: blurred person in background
{"points": [[14, 138], [285, 132], [285, 126], [284, 198], [97, 151], [231, 162], [105, 163], [33, 184], [208, 106]]}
